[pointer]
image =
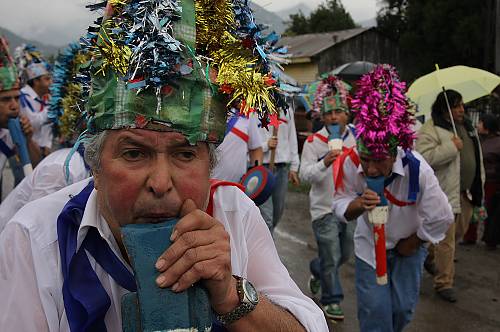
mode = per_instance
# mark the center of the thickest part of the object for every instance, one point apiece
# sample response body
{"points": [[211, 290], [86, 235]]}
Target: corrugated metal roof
{"points": [[309, 45]]}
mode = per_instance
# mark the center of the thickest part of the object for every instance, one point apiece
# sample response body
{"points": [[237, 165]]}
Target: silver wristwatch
{"points": [[249, 298]]}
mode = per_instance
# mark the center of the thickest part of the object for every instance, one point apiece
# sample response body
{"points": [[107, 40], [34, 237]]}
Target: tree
{"points": [[329, 16], [444, 32]]}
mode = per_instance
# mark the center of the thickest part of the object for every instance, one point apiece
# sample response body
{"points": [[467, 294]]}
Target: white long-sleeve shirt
{"points": [[38, 116], [314, 171], [232, 154], [429, 218], [287, 149], [30, 270], [49, 176]]}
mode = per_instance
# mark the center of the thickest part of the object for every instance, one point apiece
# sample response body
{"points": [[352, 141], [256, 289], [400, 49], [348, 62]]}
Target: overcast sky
{"points": [[59, 22], [360, 10]]}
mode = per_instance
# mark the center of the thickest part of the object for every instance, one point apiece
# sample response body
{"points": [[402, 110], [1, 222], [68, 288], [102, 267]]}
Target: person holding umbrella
{"points": [[450, 144]]}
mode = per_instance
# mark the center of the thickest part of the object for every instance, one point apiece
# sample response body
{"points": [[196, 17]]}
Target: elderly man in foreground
{"points": [[151, 148]]}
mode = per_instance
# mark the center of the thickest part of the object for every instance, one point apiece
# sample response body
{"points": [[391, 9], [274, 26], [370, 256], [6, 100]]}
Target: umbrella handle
{"points": [[451, 114], [447, 101]]}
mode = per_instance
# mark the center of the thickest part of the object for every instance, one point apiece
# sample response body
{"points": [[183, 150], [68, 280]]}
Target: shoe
{"points": [[430, 267], [447, 294], [314, 285], [333, 311]]}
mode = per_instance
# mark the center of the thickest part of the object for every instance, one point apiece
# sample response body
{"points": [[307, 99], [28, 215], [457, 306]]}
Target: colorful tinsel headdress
{"points": [[30, 63], [8, 73], [70, 88], [384, 116], [178, 64], [331, 93]]}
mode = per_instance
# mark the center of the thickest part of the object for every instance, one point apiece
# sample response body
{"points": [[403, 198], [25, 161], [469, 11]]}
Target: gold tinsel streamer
{"points": [[117, 4], [71, 115], [213, 19], [72, 103], [113, 55], [237, 67]]}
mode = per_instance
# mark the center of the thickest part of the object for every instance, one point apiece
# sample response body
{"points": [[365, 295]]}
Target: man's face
{"points": [[458, 112], [376, 167], [335, 117], [42, 85], [145, 176], [9, 106]]}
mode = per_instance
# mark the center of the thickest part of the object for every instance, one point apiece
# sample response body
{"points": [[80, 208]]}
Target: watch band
{"points": [[241, 310]]}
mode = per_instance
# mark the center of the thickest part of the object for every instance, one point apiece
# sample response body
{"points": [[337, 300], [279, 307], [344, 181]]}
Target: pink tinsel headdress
{"points": [[326, 88], [384, 116]]}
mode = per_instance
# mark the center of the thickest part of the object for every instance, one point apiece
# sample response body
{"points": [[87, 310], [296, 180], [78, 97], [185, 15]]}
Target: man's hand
{"points": [[409, 246], [331, 156], [26, 126], [458, 143], [272, 143], [293, 177], [366, 202], [200, 251], [369, 200]]}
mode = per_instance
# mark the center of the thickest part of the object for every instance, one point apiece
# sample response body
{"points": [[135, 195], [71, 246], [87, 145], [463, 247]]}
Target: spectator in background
{"points": [[286, 165], [36, 79], [242, 143], [35, 74], [489, 133], [458, 165], [315, 122]]}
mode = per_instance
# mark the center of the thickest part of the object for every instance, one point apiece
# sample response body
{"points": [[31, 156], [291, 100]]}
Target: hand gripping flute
{"points": [[378, 218], [20, 141]]}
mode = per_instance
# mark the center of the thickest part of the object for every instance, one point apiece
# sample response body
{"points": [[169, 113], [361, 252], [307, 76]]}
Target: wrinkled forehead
{"points": [[147, 137], [366, 158], [10, 93]]}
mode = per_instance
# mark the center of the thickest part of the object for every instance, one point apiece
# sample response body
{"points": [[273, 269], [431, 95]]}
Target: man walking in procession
{"points": [[387, 284], [333, 236]]}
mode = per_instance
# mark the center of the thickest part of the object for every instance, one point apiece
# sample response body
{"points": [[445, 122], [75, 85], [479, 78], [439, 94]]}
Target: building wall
{"points": [[369, 46], [303, 72]]}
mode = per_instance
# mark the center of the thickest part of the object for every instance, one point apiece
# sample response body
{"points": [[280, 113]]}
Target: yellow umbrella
{"points": [[471, 83]]}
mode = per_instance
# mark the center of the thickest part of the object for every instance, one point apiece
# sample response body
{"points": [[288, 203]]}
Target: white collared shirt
{"points": [[30, 269], [287, 149], [314, 171], [48, 177], [232, 154], [429, 218], [42, 127]]}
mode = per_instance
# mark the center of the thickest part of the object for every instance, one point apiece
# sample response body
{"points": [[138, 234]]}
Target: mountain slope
{"points": [[15, 41], [263, 16], [285, 13]]}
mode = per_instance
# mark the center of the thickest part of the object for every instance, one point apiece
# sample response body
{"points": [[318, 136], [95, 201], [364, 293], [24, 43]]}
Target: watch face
{"points": [[250, 292]]}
